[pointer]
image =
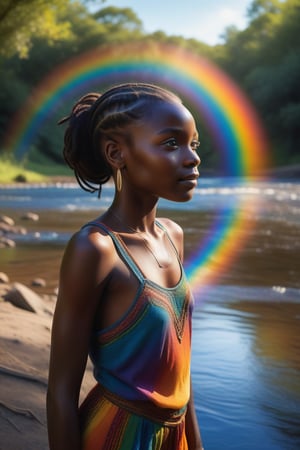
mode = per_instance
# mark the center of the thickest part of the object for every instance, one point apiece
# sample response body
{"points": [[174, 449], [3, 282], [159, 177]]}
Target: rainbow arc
{"points": [[227, 113]]}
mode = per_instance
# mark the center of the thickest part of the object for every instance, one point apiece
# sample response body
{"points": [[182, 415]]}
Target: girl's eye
{"points": [[195, 145], [171, 143]]}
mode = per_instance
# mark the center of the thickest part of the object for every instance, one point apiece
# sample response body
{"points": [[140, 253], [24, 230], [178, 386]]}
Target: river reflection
{"points": [[246, 367], [246, 328], [276, 344]]}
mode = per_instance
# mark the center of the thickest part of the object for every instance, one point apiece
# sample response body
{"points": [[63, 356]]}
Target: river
{"points": [[246, 324]]}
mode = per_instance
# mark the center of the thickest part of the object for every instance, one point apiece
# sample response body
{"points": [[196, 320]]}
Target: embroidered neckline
{"points": [[173, 304]]}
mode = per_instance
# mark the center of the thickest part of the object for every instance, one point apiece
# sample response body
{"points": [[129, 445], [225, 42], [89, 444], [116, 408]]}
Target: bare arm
{"points": [[192, 429], [83, 275]]}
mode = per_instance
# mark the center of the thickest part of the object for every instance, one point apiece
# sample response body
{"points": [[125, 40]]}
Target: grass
{"points": [[50, 169], [12, 171]]}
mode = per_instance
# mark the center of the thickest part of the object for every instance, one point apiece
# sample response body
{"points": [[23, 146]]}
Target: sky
{"points": [[204, 20]]}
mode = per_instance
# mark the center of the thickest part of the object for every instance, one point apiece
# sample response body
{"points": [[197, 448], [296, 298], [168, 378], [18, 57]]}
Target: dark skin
{"points": [[96, 287]]}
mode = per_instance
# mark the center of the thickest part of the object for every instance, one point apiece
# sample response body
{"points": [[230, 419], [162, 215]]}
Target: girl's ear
{"points": [[114, 153]]}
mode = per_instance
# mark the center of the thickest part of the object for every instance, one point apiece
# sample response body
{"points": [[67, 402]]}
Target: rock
{"points": [[13, 229], [39, 282], [4, 278], [5, 228], [20, 230], [20, 178], [30, 216], [24, 298], [5, 242], [4, 289], [7, 221]]}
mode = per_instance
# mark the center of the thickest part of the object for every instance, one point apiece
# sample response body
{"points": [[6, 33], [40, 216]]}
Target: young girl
{"points": [[123, 296]]}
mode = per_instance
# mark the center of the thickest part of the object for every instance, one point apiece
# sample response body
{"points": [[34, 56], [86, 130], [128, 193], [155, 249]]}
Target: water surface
{"points": [[246, 327]]}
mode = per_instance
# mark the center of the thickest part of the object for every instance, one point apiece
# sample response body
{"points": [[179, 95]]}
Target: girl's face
{"points": [[161, 160]]}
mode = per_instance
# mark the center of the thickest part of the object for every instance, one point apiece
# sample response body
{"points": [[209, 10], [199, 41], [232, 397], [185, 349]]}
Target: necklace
{"points": [[145, 242]]}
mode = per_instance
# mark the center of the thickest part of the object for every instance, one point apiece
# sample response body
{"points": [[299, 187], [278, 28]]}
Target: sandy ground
{"points": [[24, 355]]}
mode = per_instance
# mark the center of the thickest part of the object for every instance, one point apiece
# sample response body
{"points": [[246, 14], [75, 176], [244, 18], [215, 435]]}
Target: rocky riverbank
{"points": [[26, 313], [25, 335], [8, 228], [24, 347]]}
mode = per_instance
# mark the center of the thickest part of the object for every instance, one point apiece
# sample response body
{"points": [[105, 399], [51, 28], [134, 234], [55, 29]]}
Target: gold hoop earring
{"points": [[119, 180]]}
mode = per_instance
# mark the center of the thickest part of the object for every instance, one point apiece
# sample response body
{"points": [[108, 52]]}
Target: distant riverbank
{"points": [[291, 172]]}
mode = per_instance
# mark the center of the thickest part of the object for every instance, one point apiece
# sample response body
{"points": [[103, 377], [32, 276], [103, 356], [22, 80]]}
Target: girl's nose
{"points": [[192, 159]]}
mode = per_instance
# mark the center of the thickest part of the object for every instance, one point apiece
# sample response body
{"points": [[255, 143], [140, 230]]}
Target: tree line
{"points": [[264, 59]]}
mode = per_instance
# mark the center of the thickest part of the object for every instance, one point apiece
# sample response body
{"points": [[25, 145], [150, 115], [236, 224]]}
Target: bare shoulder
{"points": [[172, 227], [175, 232], [92, 239], [89, 251]]}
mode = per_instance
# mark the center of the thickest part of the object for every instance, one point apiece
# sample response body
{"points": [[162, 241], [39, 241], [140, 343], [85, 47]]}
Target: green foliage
{"points": [[118, 17], [13, 92], [37, 161], [260, 8], [21, 21], [264, 59]]}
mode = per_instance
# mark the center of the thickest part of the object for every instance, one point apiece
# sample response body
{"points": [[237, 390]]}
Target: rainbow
{"points": [[224, 109]]}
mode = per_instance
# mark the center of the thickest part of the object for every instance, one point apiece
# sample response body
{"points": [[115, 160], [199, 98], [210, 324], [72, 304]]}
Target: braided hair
{"points": [[94, 116]]}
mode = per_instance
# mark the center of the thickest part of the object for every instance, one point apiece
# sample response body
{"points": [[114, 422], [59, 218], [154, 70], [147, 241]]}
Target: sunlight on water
{"points": [[246, 327], [210, 195], [246, 367]]}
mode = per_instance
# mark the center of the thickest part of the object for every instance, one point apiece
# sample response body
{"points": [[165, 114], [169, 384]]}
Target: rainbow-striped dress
{"points": [[142, 368]]}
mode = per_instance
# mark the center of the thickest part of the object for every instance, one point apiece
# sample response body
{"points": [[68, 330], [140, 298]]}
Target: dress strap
{"points": [[169, 239], [121, 249]]}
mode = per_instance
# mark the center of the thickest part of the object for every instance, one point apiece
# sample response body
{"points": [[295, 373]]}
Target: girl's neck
{"points": [[136, 217], [134, 224]]}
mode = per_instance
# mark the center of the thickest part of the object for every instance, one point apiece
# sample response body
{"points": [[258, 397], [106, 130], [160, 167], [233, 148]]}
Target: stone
{"points": [[30, 216], [5, 228], [5, 242], [12, 229], [4, 289], [7, 220], [38, 282], [22, 297], [20, 178], [19, 230], [4, 278]]}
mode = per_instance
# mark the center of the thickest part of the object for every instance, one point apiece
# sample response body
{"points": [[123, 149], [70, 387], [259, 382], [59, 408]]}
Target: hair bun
{"points": [[78, 144], [83, 104]]}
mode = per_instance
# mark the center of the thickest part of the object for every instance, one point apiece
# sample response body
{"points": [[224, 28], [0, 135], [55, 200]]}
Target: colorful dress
{"points": [[142, 367]]}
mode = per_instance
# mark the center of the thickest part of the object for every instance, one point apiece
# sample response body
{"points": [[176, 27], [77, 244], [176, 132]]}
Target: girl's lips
{"points": [[191, 177], [189, 182]]}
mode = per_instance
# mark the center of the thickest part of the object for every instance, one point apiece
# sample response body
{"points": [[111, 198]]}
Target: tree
{"points": [[264, 59], [261, 7], [21, 21], [118, 18], [275, 91]]}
